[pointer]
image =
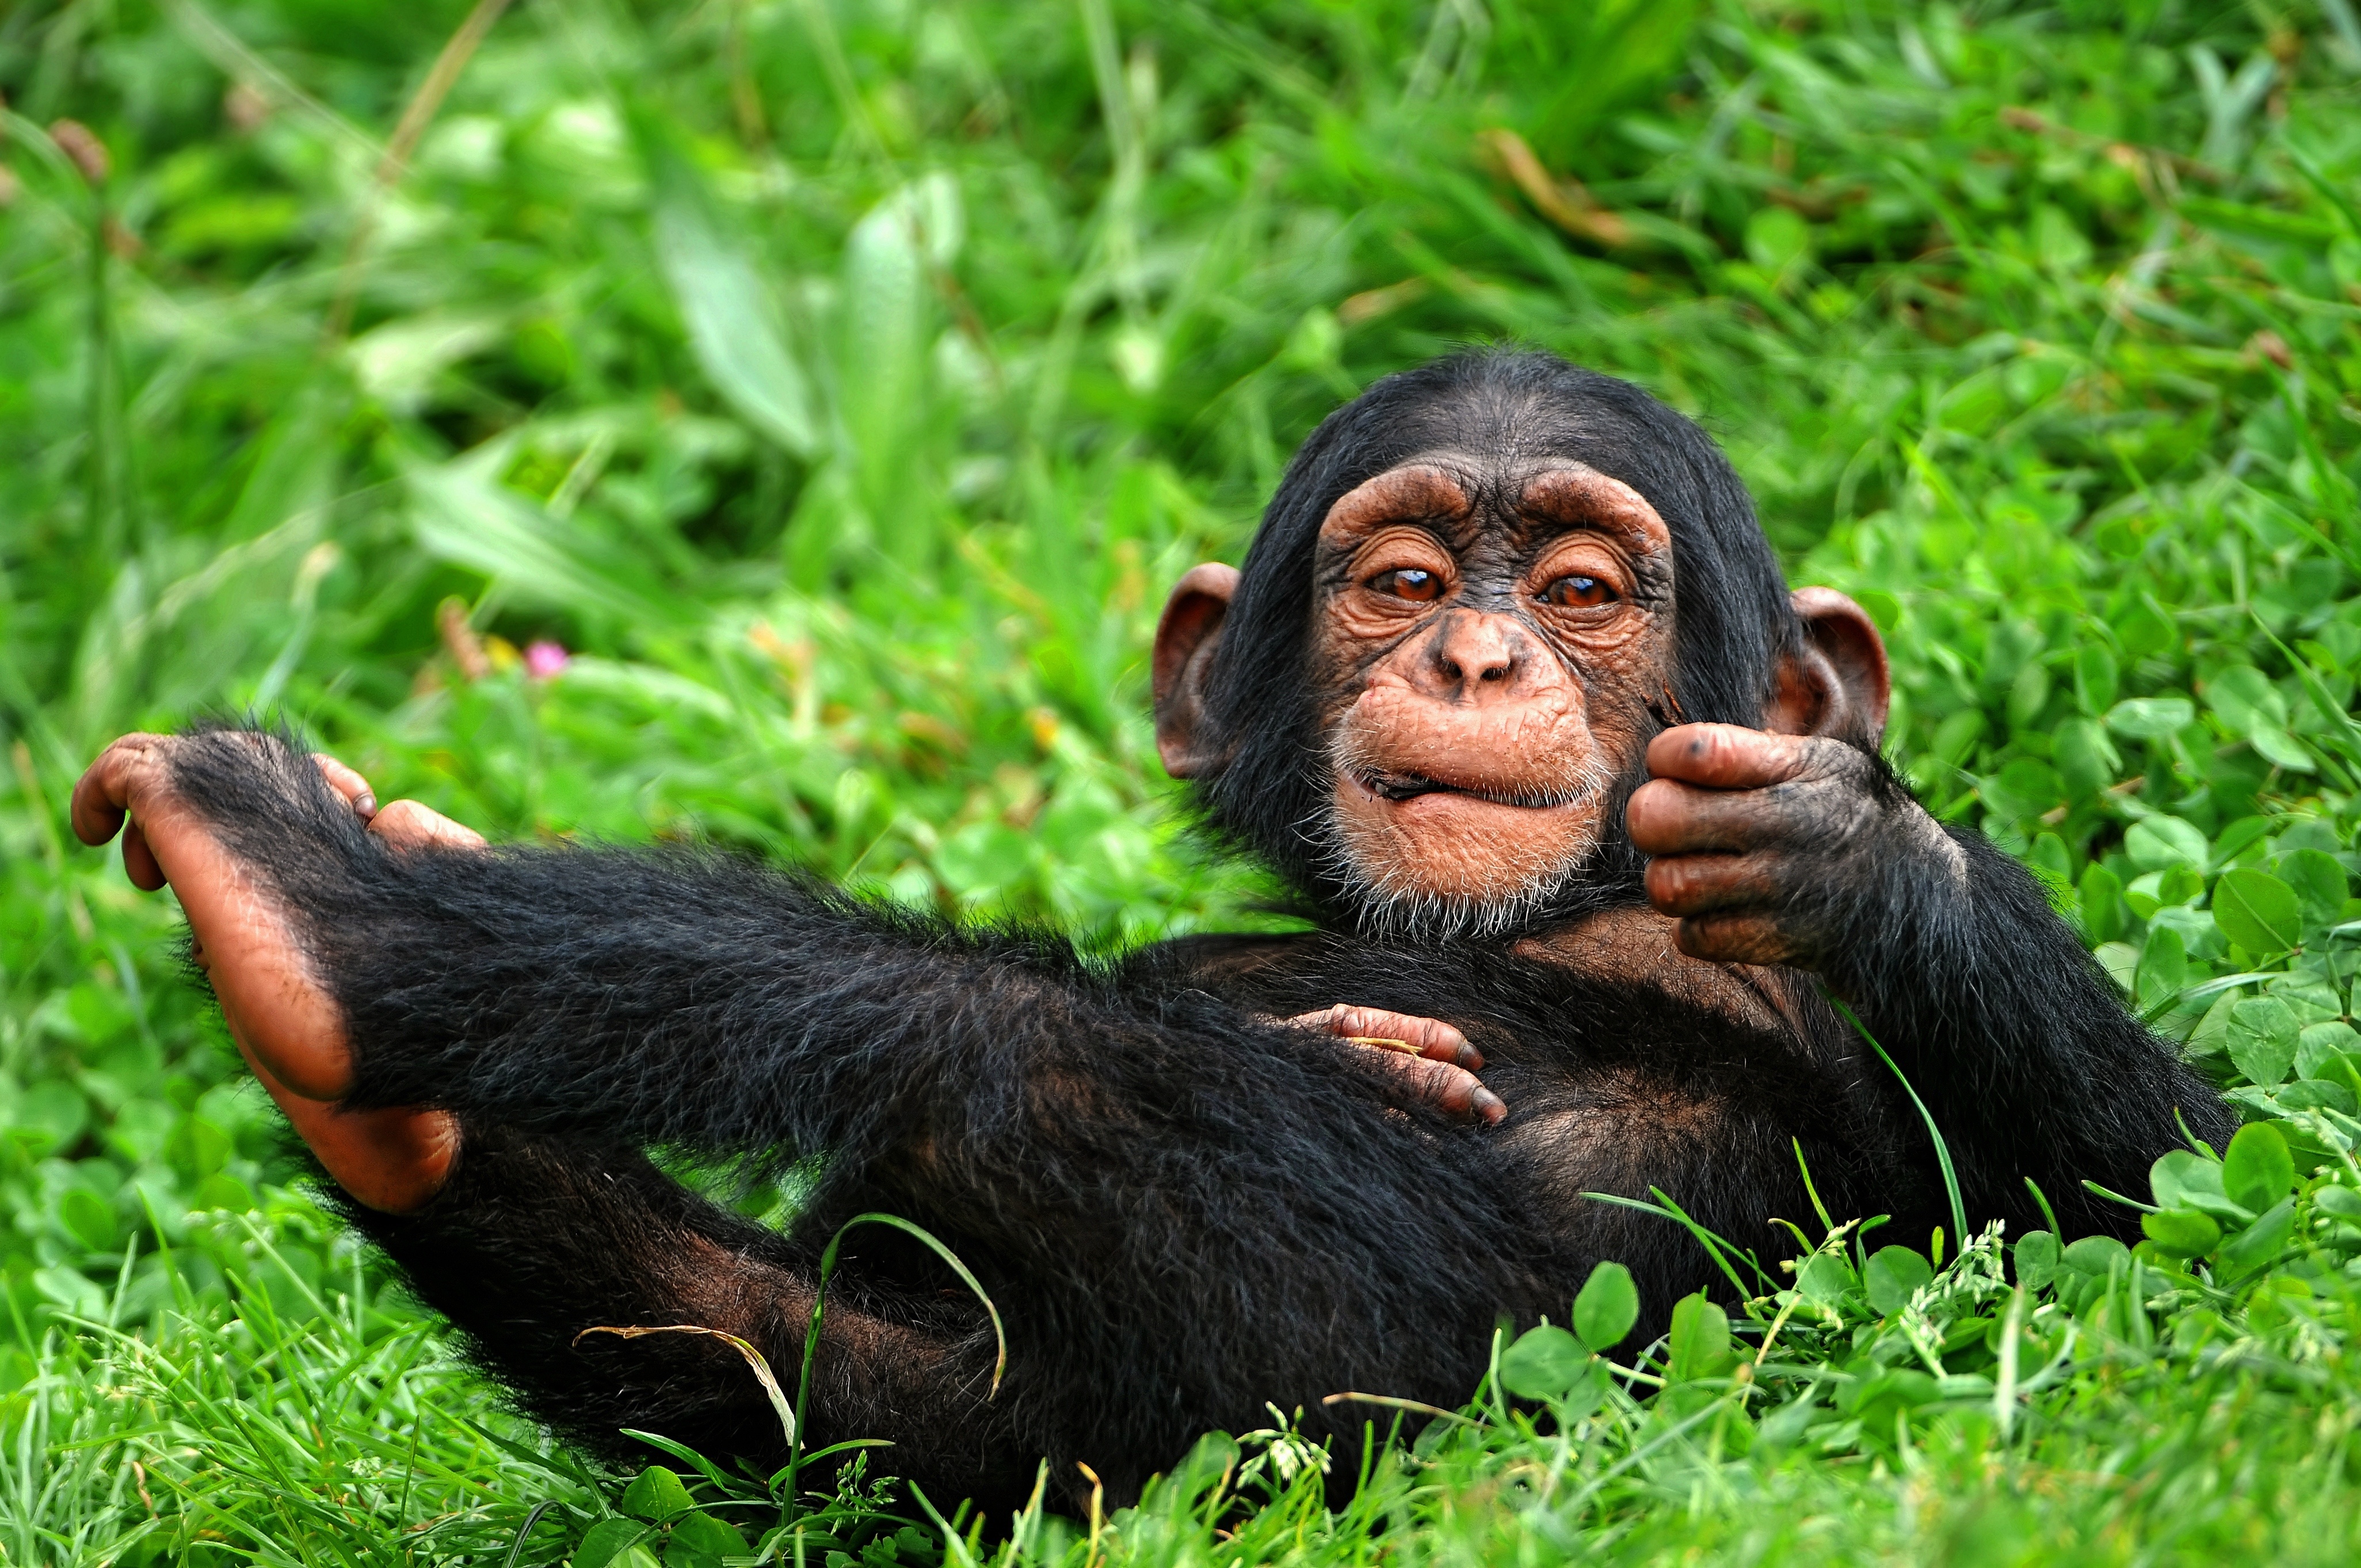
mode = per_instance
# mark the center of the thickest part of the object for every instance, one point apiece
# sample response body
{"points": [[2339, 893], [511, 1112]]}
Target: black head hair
{"points": [[1731, 616]]}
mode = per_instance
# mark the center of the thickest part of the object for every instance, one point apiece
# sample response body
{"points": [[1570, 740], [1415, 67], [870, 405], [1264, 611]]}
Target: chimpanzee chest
{"points": [[1597, 1030]]}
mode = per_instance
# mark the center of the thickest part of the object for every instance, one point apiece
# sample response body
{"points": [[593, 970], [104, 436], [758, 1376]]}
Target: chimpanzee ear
{"points": [[1839, 683], [1185, 641]]}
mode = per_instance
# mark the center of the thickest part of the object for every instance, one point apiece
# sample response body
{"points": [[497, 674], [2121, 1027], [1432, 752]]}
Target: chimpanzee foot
{"points": [[286, 1024]]}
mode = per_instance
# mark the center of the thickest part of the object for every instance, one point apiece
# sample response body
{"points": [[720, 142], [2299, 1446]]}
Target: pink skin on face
{"points": [[1470, 757]]}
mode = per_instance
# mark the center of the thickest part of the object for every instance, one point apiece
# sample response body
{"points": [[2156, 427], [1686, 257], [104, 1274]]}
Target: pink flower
{"points": [[544, 659]]}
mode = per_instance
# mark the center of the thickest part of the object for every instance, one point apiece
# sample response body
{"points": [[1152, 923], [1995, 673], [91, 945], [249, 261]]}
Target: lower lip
{"points": [[1459, 796]]}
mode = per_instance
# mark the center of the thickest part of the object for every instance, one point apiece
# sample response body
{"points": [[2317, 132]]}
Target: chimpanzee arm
{"points": [[1811, 851], [2020, 1045]]}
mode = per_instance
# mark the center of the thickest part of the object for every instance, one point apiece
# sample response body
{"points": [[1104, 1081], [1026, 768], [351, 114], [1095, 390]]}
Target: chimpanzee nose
{"points": [[1471, 656]]}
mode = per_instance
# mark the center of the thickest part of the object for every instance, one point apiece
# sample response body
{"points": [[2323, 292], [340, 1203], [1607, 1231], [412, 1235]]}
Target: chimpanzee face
{"points": [[1488, 635], [1429, 693]]}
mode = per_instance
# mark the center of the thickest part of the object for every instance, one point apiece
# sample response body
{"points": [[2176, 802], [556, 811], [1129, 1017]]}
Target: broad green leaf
{"points": [[2199, 1182], [2163, 969], [2243, 697], [2145, 628], [704, 1540], [2318, 1094], [54, 1113], [2319, 883], [2087, 761], [1894, 1274], [1826, 1279], [2282, 749], [2028, 694], [2181, 884], [2342, 1202], [463, 517], [882, 385], [2234, 840], [1544, 1363], [2095, 678], [1700, 1339], [2340, 1068], [88, 1218], [2151, 717], [733, 321], [1607, 1306], [2182, 1232], [2095, 1255], [2036, 1255], [2261, 1242], [2155, 843], [2262, 1038], [2169, 1177], [1956, 734], [2256, 1169], [2258, 911], [607, 1541], [2025, 788], [2319, 1047], [2101, 906], [655, 1493], [1877, 1399]]}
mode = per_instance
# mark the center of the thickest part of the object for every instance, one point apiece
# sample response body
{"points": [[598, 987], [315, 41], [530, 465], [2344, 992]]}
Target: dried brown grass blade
{"points": [[754, 1359]]}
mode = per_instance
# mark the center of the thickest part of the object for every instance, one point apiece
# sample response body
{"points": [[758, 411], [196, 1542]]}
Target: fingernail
{"points": [[366, 805], [1490, 1106], [1470, 1058]]}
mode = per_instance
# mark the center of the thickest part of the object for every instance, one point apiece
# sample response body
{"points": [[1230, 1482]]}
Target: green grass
{"points": [[842, 383]]}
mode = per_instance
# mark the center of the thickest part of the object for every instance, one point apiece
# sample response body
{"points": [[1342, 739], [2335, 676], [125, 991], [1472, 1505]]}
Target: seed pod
{"points": [[80, 144]]}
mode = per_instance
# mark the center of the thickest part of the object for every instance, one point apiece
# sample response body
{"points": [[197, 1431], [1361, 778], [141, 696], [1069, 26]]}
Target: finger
{"points": [[1668, 818], [1727, 756], [1454, 1091], [140, 861], [1739, 939], [102, 797], [408, 824], [1428, 1037], [347, 782], [1702, 884]]}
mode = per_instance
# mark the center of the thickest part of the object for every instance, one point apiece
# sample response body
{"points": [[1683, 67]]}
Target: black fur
{"points": [[1181, 1210]]}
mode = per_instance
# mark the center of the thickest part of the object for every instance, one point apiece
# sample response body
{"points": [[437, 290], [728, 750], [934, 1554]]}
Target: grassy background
{"points": [[837, 385]]}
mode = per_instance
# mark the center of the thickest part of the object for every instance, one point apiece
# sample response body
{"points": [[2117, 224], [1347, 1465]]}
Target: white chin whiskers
{"points": [[1444, 884]]}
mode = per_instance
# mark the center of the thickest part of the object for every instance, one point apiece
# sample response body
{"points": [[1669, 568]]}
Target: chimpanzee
{"points": [[1510, 691]]}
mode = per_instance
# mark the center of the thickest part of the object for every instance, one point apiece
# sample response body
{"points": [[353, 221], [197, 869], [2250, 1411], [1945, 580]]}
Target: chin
{"points": [[1447, 864]]}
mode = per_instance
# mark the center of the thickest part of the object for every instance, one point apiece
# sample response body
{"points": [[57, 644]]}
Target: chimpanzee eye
{"points": [[1410, 582], [1577, 592]]}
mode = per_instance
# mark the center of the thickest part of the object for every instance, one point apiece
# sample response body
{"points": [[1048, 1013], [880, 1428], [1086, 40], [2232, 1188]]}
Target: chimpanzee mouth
{"points": [[1387, 785]]}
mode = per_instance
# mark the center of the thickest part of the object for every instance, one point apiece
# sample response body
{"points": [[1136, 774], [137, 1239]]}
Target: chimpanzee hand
{"points": [[284, 1022], [1436, 1059], [1766, 847]]}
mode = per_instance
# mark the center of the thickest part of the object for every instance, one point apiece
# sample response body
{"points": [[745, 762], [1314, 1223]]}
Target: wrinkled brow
{"points": [[1417, 490], [1584, 498]]}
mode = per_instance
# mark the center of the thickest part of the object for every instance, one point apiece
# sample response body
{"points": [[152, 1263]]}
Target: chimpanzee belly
{"points": [[1619, 1084]]}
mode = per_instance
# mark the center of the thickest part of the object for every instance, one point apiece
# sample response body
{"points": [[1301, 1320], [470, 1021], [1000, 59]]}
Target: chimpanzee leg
{"points": [[1181, 1209], [535, 1240]]}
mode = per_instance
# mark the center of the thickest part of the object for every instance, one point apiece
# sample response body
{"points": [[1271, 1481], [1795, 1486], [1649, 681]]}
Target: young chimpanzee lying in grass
{"points": [[1510, 690]]}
